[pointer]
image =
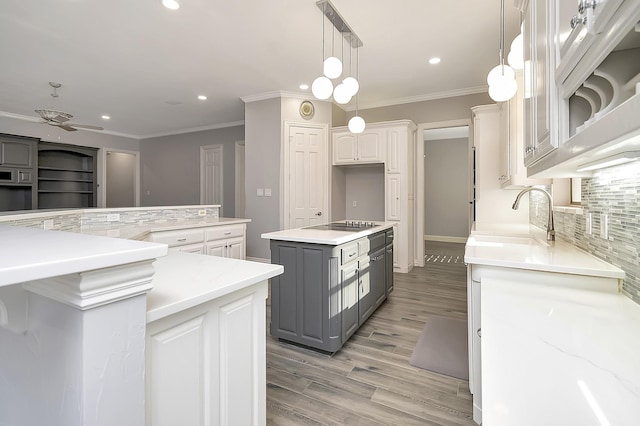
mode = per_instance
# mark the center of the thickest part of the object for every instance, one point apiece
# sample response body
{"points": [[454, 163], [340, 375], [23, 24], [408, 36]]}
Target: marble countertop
{"points": [[558, 356], [184, 280], [29, 254], [525, 247], [318, 236], [141, 232]]}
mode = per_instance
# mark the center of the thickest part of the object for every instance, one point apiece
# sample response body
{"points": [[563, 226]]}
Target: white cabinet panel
{"points": [[344, 148], [393, 197], [364, 148], [370, 146], [207, 365]]}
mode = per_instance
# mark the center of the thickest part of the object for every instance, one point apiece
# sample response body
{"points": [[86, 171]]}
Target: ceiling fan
{"points": [[61, 119]]}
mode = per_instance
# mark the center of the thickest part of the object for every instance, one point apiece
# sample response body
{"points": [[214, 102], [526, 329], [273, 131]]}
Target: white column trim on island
{"points": [[89, 289]]}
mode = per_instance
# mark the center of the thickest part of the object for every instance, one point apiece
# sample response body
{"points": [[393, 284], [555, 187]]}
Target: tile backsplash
{"points": [[614, 192]]}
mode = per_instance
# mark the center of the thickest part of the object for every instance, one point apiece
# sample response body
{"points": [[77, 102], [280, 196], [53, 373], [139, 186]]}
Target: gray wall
{"points": [[170, 174], [262, 166], [121, 179], [446, 187], [454, 108], [365, 185]]}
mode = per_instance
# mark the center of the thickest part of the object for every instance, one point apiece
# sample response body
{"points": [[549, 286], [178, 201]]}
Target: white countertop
{"points": [[319, 236], [184, 280], [141, 232], [558, 356], [525, 247], [29, 254]]}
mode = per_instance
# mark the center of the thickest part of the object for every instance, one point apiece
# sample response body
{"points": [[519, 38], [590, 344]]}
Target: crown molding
{"points": [[280, 94], [194, 129], [420, 98]]}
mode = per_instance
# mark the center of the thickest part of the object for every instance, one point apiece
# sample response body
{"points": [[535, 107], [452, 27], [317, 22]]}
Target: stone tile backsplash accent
{"points": [[615, 192], [76, 221], [100, 218]]}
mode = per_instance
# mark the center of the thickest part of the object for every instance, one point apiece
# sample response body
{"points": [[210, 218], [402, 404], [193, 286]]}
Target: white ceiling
{"points": [[144, 65]]}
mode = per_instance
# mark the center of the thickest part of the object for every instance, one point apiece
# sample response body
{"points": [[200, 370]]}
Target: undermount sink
{"points": [[501, 240]]}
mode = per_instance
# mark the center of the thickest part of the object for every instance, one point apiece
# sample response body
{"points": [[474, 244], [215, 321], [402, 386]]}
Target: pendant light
{"points": [[322, 87], [342, 93], [356, 123], [332, 66], [501, 79]]}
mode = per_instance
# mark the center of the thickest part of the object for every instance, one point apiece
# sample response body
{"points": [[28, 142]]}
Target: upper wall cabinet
{"points": [[364, 148], [593, 55], [540, 93]]}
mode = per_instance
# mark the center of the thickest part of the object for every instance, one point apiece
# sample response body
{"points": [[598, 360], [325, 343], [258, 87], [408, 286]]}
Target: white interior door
{"points": [[211, 175], [307, 181]]}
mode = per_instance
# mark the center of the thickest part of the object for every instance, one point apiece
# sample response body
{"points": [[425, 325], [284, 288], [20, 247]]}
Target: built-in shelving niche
{"points": [[612, 83], [66, 176]]}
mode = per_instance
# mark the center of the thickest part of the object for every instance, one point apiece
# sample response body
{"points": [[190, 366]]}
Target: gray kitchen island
{"points": [[335, 276]]}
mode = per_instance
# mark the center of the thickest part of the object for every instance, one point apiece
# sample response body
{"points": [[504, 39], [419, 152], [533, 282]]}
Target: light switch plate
{"points": [[47, 224], [113, 217], [589, 222], [260, 192]]}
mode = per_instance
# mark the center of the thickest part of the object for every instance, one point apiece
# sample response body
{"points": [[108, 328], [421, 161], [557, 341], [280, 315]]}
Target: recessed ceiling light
{"points": [[106, 117], [202, 97], [434, 61], [171, 4], [304, 87]]}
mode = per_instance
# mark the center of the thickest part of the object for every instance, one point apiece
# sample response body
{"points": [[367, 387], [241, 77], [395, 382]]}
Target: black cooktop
{"points": [[347, 226]]}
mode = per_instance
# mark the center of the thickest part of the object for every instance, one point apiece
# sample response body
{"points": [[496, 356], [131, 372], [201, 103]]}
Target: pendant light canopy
{"points": [[501, 79]]}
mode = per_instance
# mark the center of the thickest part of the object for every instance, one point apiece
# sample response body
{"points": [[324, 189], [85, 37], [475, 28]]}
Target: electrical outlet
{"points": [[113, 217], [202, 212], [588, 223], [47, 224], [604, 226], [355, 204], [267, 192]]}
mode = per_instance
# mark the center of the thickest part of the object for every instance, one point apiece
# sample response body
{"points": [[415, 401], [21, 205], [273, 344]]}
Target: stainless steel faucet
{"points": [[551, 232]]}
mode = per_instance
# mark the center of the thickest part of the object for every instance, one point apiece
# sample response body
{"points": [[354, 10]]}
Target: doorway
{"points": [[122, 187], [211, 183], [240, 180], [436, 130]]}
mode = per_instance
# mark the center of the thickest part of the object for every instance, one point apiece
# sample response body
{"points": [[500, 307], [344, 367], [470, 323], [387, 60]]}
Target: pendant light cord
{"points": [[323, 18], [357, 75], [502, 36]]}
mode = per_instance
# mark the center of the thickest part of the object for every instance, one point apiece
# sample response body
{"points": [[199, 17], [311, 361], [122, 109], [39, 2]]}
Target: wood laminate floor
{"points": [[370, 381]]}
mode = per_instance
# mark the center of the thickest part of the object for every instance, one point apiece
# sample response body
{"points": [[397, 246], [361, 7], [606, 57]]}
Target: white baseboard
{"points": [[258, 259], [444, 239]]}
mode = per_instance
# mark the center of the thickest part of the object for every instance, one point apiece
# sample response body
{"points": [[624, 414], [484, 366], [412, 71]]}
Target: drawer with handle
{"points": [[220, 232], [178, 238], [349, 253]]}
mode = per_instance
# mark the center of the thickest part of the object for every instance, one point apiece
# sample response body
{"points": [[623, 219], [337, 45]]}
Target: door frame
{"points": [[419, 167], [220, 184], [239, 170], [102, 182], [284, 170]]}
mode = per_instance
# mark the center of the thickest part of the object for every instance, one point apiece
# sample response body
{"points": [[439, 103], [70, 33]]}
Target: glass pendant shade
{"points": [[356, 124], [503, 89], [332, 67], [341, 94], [352, 84], [500, 71], [322, 88]]}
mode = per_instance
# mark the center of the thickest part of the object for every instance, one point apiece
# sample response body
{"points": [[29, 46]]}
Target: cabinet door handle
{"points": [[577, 20], [352, 254], [479, 332], [227, 233], [182, 239]]}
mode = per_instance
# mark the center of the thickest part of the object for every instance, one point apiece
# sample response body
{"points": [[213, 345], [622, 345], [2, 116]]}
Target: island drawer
{"points": [[220, 232], [349, 253], [179, 237]]}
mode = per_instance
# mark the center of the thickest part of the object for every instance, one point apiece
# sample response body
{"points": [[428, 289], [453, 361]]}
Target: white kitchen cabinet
{"points": [[206, 365], [223, 240], [364, 148], [513, 173], [226, 241], [540, 99], [394, 185]]}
